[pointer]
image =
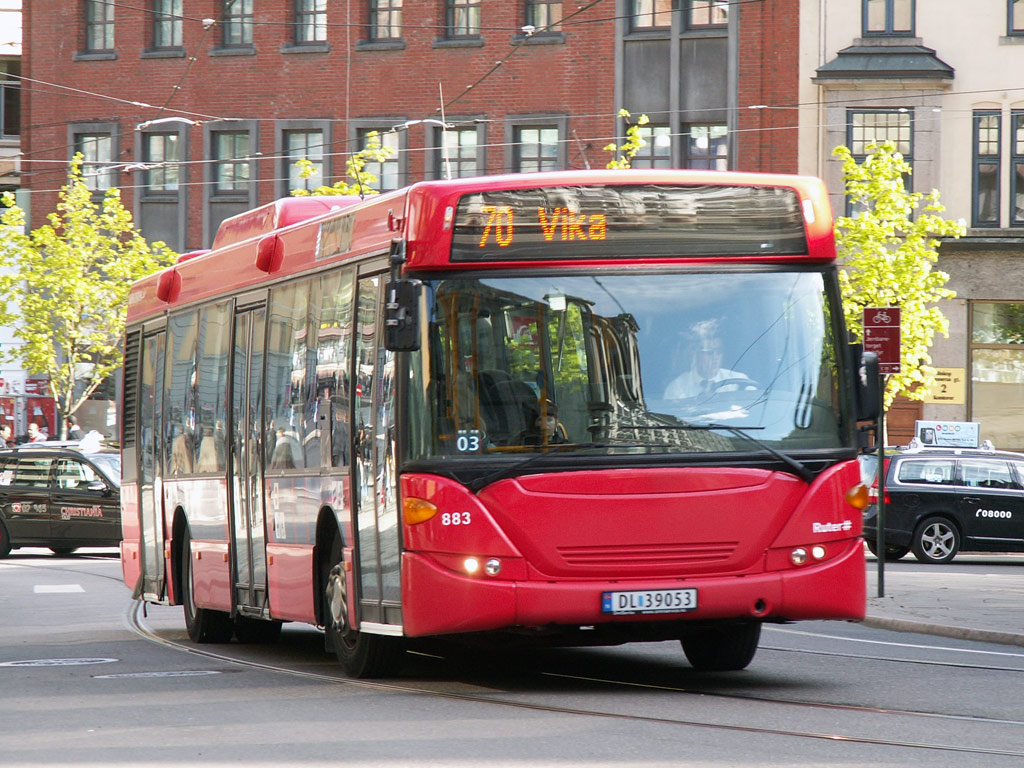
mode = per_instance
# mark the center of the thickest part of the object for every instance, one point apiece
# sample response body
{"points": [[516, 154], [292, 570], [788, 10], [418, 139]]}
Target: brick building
{"points": [[198, 110]]}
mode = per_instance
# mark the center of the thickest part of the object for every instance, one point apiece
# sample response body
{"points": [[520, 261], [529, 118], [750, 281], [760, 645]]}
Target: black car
{"points": [[59, 496], [940, 501]]}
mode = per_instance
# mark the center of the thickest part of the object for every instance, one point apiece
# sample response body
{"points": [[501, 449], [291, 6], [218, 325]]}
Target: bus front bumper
{"points": [[438, 600]]}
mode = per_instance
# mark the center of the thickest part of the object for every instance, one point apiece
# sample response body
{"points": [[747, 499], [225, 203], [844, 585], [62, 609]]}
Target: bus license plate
{"points": [[649, 601]]}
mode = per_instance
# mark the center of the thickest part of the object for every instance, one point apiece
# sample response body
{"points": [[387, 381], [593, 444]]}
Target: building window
{"points": [[1015, 17], [385, 19], [544, 15], [650, 14], [97, 151], [160, 152], [167, 20], [657, 149], [310, 21], [985, 210], [237, 22], [387, 172], [878, 126], [232, 163], [1017, 163], [10, 100], [707, 14], [304, 145], [535, 149], [99, 25], [463, 18], [997, 370], [707, 147], [888, 17], [457, 153]]}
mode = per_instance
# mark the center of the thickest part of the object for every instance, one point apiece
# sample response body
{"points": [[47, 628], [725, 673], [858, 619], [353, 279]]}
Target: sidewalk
{"points": [[985, 607]]}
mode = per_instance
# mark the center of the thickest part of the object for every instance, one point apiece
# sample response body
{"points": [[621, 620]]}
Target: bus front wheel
{"points": [[722, 649], [203, 624], [361, 655]]}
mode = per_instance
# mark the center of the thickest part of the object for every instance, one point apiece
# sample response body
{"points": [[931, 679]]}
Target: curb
{"points": [[941, 630]]}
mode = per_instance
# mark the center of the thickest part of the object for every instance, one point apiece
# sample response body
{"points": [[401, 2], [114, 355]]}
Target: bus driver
{"points": [[706, 375]]}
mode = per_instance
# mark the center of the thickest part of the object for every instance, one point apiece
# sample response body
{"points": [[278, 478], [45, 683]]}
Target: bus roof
{"points": [[639, 210]]}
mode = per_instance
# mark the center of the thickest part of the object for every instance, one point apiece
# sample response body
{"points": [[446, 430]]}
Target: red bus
{"points": [[573, 408]]}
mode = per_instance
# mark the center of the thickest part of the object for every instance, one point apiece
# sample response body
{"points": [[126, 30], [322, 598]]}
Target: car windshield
{"points": [[109, 464], [638, 363]]}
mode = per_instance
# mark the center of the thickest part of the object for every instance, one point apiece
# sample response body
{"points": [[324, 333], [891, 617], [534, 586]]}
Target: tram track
{"points": [[135, 620]]}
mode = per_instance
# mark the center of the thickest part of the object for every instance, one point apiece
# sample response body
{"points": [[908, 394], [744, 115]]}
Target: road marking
{"points": [[54, 662], [44, 589], [891, 643], [179, 673]]}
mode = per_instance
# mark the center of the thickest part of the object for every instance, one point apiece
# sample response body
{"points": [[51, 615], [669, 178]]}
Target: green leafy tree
{"points": [[362, 181], [625, 152], [889, 249], [64, 287]]}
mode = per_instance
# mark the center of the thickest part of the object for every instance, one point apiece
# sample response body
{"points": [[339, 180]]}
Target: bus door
{"points": [[151, 519], [374, 484], [248, 538]]}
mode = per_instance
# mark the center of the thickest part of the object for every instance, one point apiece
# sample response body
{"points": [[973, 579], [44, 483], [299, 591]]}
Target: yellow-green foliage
{"points": [[362, 180], [889, 249], [64, 287], [633, 143]]}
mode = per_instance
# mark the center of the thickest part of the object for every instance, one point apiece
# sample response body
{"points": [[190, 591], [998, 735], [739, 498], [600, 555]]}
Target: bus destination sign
{"points": [[557, 223]]}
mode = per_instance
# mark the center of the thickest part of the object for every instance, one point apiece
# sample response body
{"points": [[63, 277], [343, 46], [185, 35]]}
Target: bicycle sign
{"points": [[882, 336]]}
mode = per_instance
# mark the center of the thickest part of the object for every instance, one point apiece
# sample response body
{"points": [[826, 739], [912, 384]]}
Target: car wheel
{"points": [[722, 649], [936, 540], [5, 541], [361, 655], [203, 624], [892, 552]]}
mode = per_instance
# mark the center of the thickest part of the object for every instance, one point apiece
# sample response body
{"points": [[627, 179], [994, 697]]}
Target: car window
{"points": [[986, 473], [73, 474], [32, 471], [110, 465], [928, 472]]}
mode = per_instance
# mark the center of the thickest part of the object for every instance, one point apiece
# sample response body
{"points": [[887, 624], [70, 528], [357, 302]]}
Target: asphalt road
{"points": [[88, 680]]}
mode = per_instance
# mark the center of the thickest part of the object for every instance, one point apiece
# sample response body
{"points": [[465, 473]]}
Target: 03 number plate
{"points": [[649, 601]]}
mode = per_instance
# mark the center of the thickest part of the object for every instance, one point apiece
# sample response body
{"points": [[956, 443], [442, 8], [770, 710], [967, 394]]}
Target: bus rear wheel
{"points": [[203, 624], [361, 655], [722, 649]]}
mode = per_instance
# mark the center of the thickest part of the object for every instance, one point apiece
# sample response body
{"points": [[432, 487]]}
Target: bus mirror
{"points": [[401, 310], [868, 391]]}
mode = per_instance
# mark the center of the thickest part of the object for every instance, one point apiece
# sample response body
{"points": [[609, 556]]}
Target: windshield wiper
{"points": [[799, 469], [511, 469]]}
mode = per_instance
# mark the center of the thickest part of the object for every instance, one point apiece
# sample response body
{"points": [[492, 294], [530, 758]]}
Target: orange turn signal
{"points": [[857, 496], [417, 510]]}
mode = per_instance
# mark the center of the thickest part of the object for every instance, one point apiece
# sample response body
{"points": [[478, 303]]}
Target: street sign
{"points": [[949, 387], [882, 336]]}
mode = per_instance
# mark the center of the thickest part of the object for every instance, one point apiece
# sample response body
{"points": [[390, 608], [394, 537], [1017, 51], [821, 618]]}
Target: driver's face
{"points": [[708, 360]]}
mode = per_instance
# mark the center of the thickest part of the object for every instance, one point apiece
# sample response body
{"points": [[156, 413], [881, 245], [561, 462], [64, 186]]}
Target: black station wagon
{"points": [[59, 497], [940, 501]]}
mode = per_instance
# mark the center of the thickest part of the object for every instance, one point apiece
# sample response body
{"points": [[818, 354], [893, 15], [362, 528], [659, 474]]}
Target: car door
{"points": [[84, 510], [924, 485], [991, 504], [25, 499]]}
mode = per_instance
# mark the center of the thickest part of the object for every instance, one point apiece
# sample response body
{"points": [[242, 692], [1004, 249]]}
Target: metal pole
{"points": [[880, 517]]}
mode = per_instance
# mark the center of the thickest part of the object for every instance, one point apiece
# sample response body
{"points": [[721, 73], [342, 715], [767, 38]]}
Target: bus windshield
{"points": [[638, 362]]}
